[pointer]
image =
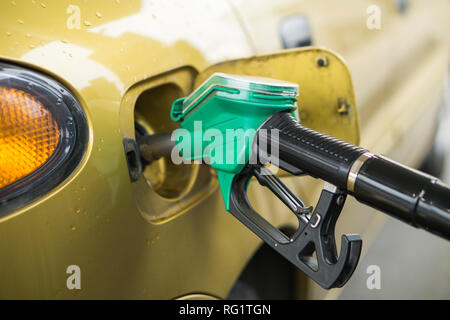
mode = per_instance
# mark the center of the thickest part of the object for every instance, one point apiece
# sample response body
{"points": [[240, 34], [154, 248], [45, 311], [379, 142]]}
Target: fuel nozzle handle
{"points": [[404, 193]]}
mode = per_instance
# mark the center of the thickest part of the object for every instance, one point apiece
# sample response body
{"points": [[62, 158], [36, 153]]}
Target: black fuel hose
{"points": [[404, 193]]}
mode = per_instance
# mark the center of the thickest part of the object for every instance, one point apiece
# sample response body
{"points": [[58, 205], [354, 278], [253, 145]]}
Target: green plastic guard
{"points": [[221, 117]]}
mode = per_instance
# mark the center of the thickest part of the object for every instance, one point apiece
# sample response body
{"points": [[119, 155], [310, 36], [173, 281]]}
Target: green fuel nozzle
{"points": [[219, 121], [238, 124]]}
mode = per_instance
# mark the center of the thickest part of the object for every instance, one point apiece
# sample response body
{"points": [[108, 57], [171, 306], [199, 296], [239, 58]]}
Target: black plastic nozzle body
{"points": [[407, 194]]}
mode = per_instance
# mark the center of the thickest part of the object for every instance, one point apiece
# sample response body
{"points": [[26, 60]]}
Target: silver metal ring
{"points": [[354, 170], [317, 221]]}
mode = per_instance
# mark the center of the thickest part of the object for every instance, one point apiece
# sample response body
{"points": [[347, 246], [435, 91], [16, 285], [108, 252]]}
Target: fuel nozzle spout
{"points": [[155, 146]]}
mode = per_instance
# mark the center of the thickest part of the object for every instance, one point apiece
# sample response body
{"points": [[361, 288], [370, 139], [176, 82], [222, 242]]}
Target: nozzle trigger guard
{"points": [[316, 231]]}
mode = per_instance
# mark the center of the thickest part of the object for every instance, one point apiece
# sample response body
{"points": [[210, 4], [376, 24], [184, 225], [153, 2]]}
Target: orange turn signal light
{"points": [[29, 135], [43, 135]]}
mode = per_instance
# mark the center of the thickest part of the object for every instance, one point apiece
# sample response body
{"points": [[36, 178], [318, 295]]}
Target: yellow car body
{"points": [[168, 235]]}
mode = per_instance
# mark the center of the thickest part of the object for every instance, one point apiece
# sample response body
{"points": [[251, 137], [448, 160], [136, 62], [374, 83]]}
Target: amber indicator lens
{"points": [[43, 135], [29, 135]]}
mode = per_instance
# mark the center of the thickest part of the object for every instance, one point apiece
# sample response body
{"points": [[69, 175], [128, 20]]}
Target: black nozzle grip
{"points": [[407, 194]]}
